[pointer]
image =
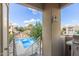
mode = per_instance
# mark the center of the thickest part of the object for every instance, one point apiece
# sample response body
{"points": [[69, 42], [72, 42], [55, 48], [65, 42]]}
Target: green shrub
{"points": [[36, 31]]}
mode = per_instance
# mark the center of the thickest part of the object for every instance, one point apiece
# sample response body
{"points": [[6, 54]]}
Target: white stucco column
{"points": [[57, 42], [47, 31], [5, 29]]}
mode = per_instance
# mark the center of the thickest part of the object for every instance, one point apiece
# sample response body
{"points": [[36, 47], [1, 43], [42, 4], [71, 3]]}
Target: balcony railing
{"points": [[34, 50]]}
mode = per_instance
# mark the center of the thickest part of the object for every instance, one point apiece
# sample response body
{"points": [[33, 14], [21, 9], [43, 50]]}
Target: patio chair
{"points": [[75, 46]]}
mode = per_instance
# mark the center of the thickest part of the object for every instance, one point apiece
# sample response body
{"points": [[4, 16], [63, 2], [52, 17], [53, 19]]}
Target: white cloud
{"points": [[33, 10], [74, 22], [30, 21], [13, 23], [71, 23], [26, 21]]}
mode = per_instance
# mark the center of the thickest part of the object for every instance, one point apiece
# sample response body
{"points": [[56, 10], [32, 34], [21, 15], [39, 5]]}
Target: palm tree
{"points": [[36, 31]]}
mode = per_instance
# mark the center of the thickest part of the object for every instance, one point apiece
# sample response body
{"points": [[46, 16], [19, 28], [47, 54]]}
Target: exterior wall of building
{"points": [[70, 30]]}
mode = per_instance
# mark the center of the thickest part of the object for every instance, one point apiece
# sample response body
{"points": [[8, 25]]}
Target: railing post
{"points": [[13, 44], [40, 46], [14, 48], [32, 49]]}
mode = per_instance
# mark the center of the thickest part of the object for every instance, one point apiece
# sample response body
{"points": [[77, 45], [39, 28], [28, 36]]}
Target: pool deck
{"points": [[21, 51], [19, 48]]}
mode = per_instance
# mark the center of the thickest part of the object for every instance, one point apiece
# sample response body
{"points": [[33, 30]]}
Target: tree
{"points": [[63, 31], [36, 31], [77, 32], [10, 38], [21, 29], [29, 27]]}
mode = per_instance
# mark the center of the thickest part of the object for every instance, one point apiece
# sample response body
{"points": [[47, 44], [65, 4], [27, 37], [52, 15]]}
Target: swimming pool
{"points": [[26, 42]]}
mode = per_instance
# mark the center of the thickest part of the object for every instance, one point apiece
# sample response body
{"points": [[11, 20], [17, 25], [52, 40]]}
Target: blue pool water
{"points": [[26, 42]]}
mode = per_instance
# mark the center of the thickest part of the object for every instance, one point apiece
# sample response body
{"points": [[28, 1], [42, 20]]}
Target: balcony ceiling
{"points": [[63, 5], [39, 6]]}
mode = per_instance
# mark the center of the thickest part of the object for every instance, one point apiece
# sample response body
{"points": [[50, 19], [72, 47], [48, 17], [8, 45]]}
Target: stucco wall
{"points": [[51, 30], [47, 31], [56, 31], [5, 29]]}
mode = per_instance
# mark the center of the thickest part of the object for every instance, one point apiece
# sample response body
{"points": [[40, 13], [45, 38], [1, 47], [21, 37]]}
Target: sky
{"points": [[21, 15], [70, 15]]}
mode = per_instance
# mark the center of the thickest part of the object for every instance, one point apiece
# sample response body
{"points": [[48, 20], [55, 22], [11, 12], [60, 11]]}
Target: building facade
{"points": [[70, 29]]}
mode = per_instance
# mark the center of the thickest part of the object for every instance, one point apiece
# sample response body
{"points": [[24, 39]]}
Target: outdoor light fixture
{"points": [[53, 19]]}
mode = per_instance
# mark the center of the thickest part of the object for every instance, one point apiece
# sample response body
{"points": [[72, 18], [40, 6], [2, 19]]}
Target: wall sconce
{"points": [[53, 19], [53, 16]]}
